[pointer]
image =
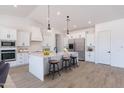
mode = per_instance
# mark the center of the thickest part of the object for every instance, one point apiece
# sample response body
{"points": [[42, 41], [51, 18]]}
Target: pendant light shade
{"points": [[67, 24], [49, 28]]}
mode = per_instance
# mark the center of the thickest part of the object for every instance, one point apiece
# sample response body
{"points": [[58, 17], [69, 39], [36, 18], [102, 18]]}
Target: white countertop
{"points": [[40, 54]]}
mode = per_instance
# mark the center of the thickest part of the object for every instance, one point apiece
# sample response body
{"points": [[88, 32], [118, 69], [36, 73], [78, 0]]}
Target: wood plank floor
{"points": [[87, 75]]}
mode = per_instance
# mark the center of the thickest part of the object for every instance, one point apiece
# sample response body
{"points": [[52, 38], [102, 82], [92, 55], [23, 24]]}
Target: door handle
{"points": [[109, 52], [7, 36], [23, 44]]}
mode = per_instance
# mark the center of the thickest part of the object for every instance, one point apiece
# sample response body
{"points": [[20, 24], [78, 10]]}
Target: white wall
{"points": [[35, 46], [116, 28], [16, 22], [77, 33]]}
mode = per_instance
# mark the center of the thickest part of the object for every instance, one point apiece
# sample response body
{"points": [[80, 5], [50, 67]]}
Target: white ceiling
{"points": [[20, 11], [79, 14]]}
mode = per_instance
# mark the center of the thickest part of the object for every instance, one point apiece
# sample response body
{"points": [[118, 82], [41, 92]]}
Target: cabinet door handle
{"points": [[23, 44], [109, 52], [8, 36]]}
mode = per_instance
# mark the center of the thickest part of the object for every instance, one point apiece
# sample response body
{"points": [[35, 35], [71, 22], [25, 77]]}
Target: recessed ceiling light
{"points": [[58, 13], [74, 26], [89, 22]]}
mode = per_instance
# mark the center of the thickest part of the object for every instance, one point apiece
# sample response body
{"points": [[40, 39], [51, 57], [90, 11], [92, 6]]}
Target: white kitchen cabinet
{"points": [[12, 63], [36, 34], [65, 41], [13, 34], [90, 43], [23, 38], [49, 40], [90, 56], [22, 58], [7, 34], [62, 42]]}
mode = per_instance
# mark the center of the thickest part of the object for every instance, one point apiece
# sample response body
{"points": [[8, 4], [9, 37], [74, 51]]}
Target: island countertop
{"points": [[40, 54], [39, 65]]}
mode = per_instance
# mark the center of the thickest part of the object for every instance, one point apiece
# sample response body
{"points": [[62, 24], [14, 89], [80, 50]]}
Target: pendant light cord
{"points": [[48, 14], [49, 28]]}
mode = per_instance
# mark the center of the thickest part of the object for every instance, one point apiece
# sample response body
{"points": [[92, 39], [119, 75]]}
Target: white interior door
{"points": [[104, 52]]}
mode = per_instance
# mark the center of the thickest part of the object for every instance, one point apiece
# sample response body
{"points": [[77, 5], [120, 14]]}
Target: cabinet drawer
{"points": [[22, 58], [89, 56], [20, 63], [12, 63]]}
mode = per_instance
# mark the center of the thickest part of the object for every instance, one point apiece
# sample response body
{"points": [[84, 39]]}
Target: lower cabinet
{"points": [[89, 56], [22, 59], [12, 63], [46, 66]]}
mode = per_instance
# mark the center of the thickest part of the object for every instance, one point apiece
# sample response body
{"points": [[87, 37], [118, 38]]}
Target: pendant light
{"points": [[67, 24], [49, 26]]}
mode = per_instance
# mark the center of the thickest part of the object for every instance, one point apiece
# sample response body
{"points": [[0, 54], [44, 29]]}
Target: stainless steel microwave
{"points": [[8, 43]]}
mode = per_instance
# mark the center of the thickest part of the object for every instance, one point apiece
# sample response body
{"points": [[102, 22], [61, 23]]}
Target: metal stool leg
{"points": [[62, 64], [49, 68], [69, 64], [58, 70], [2, 86], [53, 70], [66, 65], [76, 62]]}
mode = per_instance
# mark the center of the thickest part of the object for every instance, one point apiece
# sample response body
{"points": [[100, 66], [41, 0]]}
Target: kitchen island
{"points": [[38, 63]]}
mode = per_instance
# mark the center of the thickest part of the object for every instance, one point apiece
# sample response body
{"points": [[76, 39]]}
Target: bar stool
{"points": [[74, 61], [52, 67], [66, 63]]}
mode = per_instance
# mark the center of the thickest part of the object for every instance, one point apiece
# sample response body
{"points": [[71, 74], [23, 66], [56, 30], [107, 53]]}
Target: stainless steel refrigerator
{"points": [[78, 45]]}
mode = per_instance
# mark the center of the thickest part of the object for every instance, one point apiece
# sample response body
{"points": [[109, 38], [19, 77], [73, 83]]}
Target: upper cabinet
{"points": [[90, 38], [7, 34], [36, 34], [90, 46], [49, 40], [23, 38], [65, 41]]}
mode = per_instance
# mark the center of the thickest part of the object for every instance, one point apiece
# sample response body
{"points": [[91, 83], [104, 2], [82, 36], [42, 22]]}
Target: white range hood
{"points": [[36, 34]]}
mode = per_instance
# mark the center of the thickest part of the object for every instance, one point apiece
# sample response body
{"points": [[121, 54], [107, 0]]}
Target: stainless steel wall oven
{"points": [[8, 55]]}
